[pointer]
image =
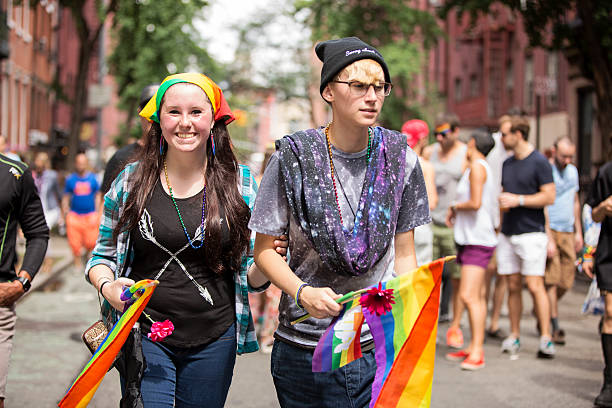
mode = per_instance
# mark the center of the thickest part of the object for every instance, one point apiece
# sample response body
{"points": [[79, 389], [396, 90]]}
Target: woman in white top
{"points": [[473, 218]]}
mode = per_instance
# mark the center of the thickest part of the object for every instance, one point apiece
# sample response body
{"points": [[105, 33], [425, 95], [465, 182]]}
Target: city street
{"points": [[48, 353]]}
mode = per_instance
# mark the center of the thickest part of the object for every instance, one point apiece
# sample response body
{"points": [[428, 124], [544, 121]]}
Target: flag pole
{"points": [[354, 294]]}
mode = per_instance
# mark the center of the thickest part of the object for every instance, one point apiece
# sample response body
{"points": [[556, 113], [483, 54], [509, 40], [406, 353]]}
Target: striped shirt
{"points": [[117, 256]]}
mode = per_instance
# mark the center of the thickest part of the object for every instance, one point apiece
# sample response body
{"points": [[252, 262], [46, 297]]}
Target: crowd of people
{"points": [[338, 208]]}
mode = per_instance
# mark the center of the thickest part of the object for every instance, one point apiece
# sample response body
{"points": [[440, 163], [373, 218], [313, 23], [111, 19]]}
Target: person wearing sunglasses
{"points": [[350, 195], [448, 156]]}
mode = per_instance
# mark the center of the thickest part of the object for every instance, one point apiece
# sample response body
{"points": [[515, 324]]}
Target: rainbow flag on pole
{"points": [[86, 384], [404, 339], [340, 345]]}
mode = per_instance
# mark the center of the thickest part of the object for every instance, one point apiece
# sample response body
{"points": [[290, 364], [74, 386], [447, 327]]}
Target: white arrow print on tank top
{"points": [[145, 225]]}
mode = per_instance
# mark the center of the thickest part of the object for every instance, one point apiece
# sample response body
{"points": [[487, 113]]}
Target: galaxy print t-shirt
{"points": [[272, 216]]}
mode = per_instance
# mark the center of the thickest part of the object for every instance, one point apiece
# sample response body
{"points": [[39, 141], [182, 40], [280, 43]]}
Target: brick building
{"points": [[27, 69], [488, 69]]}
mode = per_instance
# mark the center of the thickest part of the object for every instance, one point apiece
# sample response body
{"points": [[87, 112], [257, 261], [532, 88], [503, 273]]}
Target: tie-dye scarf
{"points": [[304, 164]]}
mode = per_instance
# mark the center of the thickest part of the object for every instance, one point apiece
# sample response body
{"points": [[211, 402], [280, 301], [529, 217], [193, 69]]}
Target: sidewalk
{"points": [[59, 250]]}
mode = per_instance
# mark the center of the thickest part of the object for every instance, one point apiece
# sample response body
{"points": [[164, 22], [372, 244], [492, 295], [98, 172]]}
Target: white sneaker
{"points": [[547, 348]]}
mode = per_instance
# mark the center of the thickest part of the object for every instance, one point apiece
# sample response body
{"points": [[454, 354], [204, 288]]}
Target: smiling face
{"points": [[186, 118], [360, 110]]}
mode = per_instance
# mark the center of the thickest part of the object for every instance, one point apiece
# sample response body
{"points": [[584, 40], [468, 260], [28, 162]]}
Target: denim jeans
{"points": [[195, 377], [298, 387]]}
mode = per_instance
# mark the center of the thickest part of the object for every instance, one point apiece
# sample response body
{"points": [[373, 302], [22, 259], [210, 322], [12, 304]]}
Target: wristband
{"points": [[102, 286], [522, 200], [297, 295]]}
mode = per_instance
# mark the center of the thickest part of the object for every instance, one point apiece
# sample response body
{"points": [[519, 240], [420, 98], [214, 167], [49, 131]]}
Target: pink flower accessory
{"points": [[377, 300], [159, 330]]}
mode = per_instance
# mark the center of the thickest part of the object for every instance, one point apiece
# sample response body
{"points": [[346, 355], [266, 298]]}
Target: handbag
{"points": [[94, 335]]}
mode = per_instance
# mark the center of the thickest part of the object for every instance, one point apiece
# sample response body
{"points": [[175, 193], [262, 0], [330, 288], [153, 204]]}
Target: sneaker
{"points": [[558, 337], [473, 365], [444, 318], [511, 345], [496, 334], [454, 337], [457, 355], [547, 348]]}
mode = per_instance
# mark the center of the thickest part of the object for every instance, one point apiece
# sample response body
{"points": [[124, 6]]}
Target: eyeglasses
{"points": [[360, 89], [443, 133]]}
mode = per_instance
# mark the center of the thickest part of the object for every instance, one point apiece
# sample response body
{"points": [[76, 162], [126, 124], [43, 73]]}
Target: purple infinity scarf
{"points": [[306, 176]]}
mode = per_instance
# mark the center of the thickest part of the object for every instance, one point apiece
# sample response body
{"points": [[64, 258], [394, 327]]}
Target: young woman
{"points": [[473, 218], [349, 195], [179, 215]]}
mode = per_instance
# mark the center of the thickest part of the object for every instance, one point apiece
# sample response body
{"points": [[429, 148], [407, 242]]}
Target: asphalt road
{"points": [[48, 354]]}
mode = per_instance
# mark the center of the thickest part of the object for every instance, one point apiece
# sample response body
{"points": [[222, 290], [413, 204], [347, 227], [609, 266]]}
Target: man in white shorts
{"points": [[528, 187]]}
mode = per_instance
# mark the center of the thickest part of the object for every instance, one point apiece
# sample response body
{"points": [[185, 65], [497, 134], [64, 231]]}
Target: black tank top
{"points": [[200, 313]]}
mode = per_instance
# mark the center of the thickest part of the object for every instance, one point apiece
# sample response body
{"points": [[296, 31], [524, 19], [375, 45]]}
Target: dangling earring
{"points": [[161, 145], [212, 142]]}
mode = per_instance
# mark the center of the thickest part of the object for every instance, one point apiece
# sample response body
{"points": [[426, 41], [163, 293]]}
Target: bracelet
{"points": [[297, 295], [102, 286], [522, 200]]}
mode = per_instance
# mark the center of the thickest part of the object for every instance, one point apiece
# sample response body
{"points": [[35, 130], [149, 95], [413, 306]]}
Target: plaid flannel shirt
{"points": [[117, 256]]}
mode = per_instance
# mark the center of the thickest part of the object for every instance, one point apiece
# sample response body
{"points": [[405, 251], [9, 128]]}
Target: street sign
{"points": [[545, 86], [98, 96]]}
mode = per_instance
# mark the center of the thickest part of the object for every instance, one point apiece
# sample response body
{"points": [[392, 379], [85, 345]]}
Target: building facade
{"points": [[27, 72], [488, 69]]}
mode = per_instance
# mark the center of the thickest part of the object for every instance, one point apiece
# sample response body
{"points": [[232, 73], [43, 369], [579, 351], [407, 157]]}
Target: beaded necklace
{"points": [[333, 171], [179, 213]]}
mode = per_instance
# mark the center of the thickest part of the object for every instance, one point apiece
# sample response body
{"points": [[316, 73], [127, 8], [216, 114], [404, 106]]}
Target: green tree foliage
{"points": [[582, 29], [153, 39], [400, 32]]}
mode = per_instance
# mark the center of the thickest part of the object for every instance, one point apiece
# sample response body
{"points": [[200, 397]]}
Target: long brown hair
{"points": [[221, 189]]}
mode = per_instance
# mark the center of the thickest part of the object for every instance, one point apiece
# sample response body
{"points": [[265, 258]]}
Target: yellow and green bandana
{"points": [[221, 109]]}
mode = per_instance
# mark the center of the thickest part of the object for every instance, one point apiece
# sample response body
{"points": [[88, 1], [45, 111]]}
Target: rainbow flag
{"points": [[86, 384], [340, 344], [404, 339]]}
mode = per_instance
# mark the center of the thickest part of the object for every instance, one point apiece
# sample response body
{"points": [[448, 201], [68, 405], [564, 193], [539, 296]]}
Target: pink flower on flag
{"points": [[161, 330], [378, 300]]}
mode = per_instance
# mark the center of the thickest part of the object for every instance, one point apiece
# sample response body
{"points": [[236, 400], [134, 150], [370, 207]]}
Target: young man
{"points": [[528, 187], [564, 231], [600, 200], [496, 159], [448, 157], [349, 195], [80, 204], [19, 205]]}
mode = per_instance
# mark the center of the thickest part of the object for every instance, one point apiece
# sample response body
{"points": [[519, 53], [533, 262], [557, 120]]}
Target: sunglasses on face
{"points": [[358, 88], [442, 130]]}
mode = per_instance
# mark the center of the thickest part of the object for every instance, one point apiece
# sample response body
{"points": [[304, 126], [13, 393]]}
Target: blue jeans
{"points": [[298, 387], [188, 377]]}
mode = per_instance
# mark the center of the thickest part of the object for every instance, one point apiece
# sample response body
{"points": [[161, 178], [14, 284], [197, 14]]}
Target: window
{"points": [[474, 86], [4, 99], [25, 7], [9, 14], [529, 91], [458, 90], [509, 85], [552, 74]]}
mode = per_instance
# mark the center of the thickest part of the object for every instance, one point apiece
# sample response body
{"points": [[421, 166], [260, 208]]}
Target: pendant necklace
{"points": [[333, 172], [202, 223]]}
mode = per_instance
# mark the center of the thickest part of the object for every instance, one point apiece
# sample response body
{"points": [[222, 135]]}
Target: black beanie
{"points": [[337, 54]]}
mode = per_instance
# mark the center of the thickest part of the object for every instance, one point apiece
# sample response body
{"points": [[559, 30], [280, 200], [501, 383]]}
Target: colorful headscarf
{"points": [[221, 109]]}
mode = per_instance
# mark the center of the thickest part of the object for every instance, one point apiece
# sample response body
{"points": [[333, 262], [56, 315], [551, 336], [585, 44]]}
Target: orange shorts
{"points": [[82, 231]]}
